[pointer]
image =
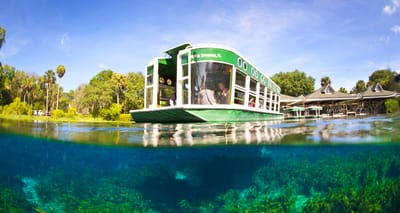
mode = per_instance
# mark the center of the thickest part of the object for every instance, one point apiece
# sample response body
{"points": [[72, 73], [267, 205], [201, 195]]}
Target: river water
{"points": [[340, 165]]}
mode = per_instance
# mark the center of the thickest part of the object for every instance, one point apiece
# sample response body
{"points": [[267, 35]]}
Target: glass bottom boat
{"points": [[206, 83]]}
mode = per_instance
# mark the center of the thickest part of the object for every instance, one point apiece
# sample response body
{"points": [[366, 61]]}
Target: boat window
{"points": [[185, 70], [268, 100], [239, 97], [210, 82], [167, 96], [262, 97], [241, 79], [253, 85], [184, 58], [149, 80], [185, 91], [149, 96]]}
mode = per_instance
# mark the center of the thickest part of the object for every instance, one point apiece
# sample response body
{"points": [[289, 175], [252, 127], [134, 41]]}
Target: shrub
{"points": [[125, 117], [71, 113], [111, 114], [17, 107], [391, 105], [57, 113]]}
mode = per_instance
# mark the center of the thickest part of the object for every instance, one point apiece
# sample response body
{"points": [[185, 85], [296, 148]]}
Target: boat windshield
{"points": [[210, 83]]}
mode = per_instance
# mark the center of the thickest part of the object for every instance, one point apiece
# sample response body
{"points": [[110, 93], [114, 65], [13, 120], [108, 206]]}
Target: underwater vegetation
{"points": [[41, 176]]}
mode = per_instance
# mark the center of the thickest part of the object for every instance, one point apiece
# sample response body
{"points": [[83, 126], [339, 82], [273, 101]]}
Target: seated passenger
{"points": [[172, 100], [252, 102], [223, 94], [206, 96]]}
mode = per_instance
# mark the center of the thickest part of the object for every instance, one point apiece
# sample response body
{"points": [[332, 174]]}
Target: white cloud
{"points": [[385, 39], [64, 39], [103, 66], [395, 29], [391, 8], [13, 46]]}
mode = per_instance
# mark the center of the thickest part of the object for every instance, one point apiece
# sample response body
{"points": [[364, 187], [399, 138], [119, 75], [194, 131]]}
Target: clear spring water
{"points": [[339, 165]]}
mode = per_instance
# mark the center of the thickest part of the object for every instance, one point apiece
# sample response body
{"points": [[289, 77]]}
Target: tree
{"points": [[2, 40], [383, 77], [2, 36], [49, 79], [7, 74], [77, 101], [98, 94], [342, 90], [60, 73], [360, 87], [118, 82], [325, 81], [133, 95], [294, 83]]}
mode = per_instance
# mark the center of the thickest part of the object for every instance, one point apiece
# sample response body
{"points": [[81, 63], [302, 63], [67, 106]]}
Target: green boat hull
{"points": [[188, 115]]}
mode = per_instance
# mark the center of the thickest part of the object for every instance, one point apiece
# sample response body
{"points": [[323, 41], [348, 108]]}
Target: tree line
{"points": [[296, 83], [106, 95], [45, 94]]}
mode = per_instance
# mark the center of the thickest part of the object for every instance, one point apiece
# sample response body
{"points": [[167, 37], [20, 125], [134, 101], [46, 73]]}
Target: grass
{"points": [[75, 119]]}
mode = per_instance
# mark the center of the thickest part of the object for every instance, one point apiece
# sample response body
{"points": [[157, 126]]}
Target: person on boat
{"points": [[206, 96], [252, 102], [172, 99], [223, 94]]}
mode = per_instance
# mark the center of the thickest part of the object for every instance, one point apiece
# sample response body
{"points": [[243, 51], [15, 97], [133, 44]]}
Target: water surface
{"points": [[278, 166]]}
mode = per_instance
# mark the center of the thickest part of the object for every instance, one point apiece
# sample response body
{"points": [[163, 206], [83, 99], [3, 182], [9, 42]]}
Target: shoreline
{"points": [[76, 119]]}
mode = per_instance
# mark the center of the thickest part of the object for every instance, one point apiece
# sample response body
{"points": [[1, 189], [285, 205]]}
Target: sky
{"points": [[344, 39]]}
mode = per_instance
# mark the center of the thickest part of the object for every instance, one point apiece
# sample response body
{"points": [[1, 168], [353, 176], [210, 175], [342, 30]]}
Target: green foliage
{"points": [[60, 71], [392, 105], [134, 97], [2, 36], [13, 200], [71, 113], [372, 197], [98, 94], [125, 117], [383, 77], [111, 114], [360, 87], [342, 90], [119, 83], [77, 191], [108, 87], [17, 107], [294, 83], [325, 81], [57, 113], [7, 74]]}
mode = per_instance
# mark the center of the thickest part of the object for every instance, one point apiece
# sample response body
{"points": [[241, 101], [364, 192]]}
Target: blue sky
{"points": [[344, 39]]}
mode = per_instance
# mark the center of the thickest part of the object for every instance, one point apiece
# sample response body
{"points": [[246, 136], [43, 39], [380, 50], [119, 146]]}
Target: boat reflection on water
{"points": [[211, 134], [376, 129]]}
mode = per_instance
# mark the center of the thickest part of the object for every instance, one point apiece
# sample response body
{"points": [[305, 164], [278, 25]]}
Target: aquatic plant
{"points": [[77, 191], [13, 200], [376, 197]]}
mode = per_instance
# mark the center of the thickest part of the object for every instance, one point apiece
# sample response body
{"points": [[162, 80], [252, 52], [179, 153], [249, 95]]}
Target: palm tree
{"points": [[29, 85], [49, 78], [325, 81], [60, 74], [2, 36], [119, 82]]}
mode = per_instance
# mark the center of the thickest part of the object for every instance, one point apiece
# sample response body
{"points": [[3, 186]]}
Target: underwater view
{"points": [[338, 165]]}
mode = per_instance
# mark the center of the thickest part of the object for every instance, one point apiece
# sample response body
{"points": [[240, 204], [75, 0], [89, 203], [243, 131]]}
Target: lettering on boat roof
{"points": [[229, 57]]}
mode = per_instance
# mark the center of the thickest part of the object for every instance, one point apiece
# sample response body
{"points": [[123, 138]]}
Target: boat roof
{"points": [[174, 51]]}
